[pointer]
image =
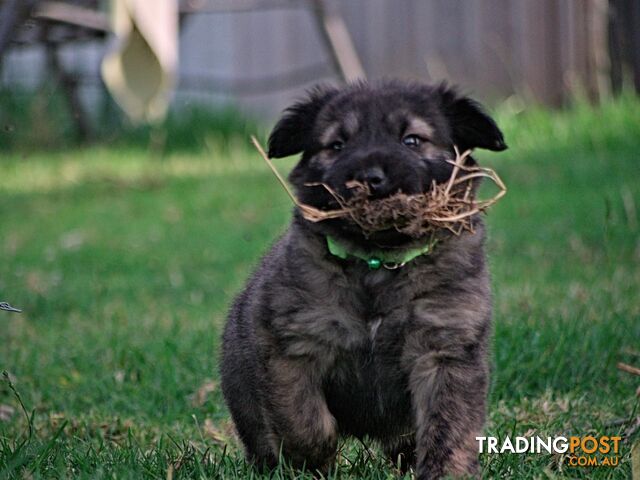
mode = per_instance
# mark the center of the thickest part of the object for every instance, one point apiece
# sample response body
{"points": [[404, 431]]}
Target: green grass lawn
{"points": [[125, 261]]}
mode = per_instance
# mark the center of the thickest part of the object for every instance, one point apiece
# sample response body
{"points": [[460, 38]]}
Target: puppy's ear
{"points": [[292, 133], [471, 126]]}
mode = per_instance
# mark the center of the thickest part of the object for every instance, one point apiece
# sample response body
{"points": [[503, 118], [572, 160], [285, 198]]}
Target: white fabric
{"points": [[140, 68]]}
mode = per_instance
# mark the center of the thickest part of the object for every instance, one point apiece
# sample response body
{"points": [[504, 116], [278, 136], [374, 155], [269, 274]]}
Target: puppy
{"points": [[323, 341]]}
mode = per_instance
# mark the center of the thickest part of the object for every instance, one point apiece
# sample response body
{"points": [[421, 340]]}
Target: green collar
{"points": [[375, 260]]}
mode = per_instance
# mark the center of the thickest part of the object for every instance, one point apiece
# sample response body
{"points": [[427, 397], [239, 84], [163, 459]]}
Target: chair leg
{"points": [[70, 88], [12, 14]]}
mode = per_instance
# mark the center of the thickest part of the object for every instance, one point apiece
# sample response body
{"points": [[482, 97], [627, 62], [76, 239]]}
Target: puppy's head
{"points": [[392, 136]]}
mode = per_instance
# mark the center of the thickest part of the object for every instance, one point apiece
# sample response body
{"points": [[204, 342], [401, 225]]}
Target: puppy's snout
{"points": [[385, 170], [374, 177]]}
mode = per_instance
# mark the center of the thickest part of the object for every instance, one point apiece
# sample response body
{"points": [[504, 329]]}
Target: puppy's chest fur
{"points": [[365, 383], [366, 387], [355, 310], [356, 323]]}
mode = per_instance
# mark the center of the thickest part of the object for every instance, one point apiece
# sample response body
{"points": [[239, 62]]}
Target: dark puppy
{"points": [[319, 344]]}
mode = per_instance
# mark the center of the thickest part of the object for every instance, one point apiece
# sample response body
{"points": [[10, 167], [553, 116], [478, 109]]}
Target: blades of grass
{"points": [[15, 392], [44, 451]]}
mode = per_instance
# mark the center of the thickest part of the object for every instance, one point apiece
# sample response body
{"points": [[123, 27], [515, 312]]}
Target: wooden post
{"points": [[336, 36], [634, 32], [599, 39]]}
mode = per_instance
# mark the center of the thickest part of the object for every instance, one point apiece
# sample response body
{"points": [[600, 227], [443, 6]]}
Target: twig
{"points": [[309, 212], [628, 368], [616, 422], [633, 428], [449, 206], [8, 308]]}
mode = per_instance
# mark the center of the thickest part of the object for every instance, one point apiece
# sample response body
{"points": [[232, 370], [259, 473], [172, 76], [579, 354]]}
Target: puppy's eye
{"points": [[412, 141], [337, 145]]}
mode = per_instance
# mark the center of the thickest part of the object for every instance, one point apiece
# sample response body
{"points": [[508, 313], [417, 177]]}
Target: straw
{"points": [[448, 206]]}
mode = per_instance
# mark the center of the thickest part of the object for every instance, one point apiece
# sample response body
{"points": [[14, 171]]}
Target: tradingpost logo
{"points": [[585, 451]]}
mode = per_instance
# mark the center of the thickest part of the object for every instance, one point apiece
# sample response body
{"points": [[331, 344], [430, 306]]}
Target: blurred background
{"points": [[256, 56], [133, 208]]}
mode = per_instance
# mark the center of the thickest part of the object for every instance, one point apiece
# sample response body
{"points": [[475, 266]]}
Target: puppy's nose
{"points": [[374, 177]]}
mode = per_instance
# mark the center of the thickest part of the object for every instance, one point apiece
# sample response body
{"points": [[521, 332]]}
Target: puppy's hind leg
{"points": [[254, 433], [240, 386], [249, 421]]}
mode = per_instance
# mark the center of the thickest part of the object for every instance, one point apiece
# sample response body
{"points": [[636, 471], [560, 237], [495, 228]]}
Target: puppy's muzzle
{"points": [[376, 178], [385, 172]]}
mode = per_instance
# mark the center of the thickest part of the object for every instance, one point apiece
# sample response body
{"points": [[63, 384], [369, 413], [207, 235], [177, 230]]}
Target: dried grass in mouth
{"points": [[446, 206]]}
